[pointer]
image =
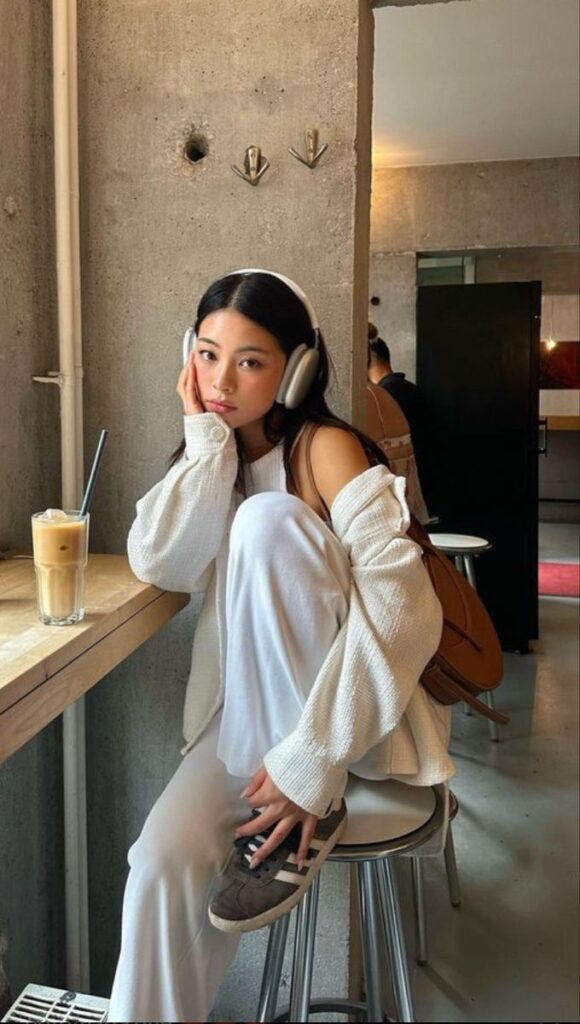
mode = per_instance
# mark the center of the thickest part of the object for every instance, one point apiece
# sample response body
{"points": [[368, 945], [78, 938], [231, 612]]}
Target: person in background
{"points": [[387, 426], [408, 397]]}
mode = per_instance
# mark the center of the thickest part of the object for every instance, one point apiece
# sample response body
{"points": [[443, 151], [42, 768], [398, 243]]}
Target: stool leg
{"points": [[419, 905], [370, 927], [451, 869], [461, 566], [470, 573], [396, 940], [273, 969], [470, 570], [493, 733], [304, 954]]}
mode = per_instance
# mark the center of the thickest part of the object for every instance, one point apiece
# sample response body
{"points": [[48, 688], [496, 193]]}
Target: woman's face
{"points": [[239, 366]]}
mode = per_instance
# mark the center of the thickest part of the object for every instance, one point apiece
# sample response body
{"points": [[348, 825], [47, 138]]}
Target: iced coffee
{"points": [[60, 543]]}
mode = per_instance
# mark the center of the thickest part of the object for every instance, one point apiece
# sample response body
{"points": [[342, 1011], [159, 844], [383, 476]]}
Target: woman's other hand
{"points": [[188, 390], [262, 792]]}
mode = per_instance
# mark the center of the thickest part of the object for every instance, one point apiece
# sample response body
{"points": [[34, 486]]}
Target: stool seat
{"points": [[459, 543], [386, 818], [379, 812]]}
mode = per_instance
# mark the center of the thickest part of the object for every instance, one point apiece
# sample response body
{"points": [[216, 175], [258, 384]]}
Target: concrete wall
{"points": [[512, 203], [156, 230], [460, 207], [31, 871], [557, 269]]}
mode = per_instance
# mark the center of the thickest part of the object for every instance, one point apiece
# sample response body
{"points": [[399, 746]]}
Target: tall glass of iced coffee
{"points": [[60, 542]]}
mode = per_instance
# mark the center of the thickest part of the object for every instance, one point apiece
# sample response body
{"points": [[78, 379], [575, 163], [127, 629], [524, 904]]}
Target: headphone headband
{"points": [[293, 287], [190, 336]]}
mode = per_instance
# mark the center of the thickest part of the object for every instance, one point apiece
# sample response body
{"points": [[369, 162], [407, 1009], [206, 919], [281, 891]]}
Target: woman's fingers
{"points": [[180, 388], [188, 390], [273, 841], [309, 824], [269, 816], [194, 386], [194, 402], [268, 793], [255, 783]]}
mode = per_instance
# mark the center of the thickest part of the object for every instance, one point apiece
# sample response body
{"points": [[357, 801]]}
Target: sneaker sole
{"points": [[251, 924]]}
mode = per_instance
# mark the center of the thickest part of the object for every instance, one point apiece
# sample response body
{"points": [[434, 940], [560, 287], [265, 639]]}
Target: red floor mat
{"points": [[559, 579]]}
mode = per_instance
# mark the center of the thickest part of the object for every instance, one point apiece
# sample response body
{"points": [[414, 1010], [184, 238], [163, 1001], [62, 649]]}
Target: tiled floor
{"points": [[511, 952], [559, 542]]}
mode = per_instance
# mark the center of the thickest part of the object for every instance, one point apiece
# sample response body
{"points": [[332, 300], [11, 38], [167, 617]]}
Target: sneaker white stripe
{"points": [[287, 876], [292, 858], [317, 844]]}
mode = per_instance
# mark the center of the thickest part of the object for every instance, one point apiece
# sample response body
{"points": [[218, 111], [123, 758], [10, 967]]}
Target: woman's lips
{"points": [[220, 406]]}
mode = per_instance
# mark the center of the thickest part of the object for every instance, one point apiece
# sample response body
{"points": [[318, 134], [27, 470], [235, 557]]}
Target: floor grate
{"points": [[38, 1004]]}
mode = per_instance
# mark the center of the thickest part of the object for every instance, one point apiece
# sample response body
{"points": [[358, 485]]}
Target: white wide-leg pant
{"points": [[287, 595]]}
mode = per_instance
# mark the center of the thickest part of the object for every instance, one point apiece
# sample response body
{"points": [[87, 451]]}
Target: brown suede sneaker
{"points": [[245, 900]]}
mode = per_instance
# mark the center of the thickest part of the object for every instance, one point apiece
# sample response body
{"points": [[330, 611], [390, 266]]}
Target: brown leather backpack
{"points": [[469, 660]]}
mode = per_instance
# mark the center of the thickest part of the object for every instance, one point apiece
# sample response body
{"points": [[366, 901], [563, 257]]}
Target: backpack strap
{"points": [[378, 408]]}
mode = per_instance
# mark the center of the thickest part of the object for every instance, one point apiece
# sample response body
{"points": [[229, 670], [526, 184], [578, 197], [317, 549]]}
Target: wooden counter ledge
{"points": [[44, 669]]}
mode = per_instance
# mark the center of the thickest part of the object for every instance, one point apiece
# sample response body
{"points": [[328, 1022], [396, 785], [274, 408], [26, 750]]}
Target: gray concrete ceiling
{"points": [[483, 80]]}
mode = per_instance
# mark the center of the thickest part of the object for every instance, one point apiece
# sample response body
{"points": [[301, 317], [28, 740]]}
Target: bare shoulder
{"points": [[337, 458]]}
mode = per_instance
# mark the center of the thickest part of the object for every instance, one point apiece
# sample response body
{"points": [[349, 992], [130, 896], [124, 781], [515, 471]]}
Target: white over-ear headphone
{"points": [[302, 363]]}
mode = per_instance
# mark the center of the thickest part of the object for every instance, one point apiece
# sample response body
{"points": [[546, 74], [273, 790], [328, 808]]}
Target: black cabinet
{"points": [[477, 363]]}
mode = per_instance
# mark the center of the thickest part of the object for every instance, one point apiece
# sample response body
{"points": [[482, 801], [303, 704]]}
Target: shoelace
{"points": [[248, 846]]}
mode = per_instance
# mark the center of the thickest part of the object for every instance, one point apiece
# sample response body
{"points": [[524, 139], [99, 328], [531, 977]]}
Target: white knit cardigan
{"points": [[367, 696]]}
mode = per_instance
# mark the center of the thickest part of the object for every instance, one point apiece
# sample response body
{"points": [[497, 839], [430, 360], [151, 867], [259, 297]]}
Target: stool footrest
{"points": [[324, 1005]]}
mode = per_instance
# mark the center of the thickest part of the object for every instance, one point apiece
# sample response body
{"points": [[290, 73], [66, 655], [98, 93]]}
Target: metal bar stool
{"points": [[385, 820], [452, 884], [464, 549]]}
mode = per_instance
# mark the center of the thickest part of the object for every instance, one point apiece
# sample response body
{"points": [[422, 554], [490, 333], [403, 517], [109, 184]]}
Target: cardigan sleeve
{"points": [[181, 521], [392, 630]]}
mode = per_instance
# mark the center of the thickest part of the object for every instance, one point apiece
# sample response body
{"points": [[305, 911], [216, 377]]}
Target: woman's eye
{"points": [[206, 355], [253, 364]]}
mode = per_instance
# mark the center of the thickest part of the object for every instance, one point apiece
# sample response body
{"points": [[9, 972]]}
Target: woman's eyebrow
{"points": [[244, 348]]}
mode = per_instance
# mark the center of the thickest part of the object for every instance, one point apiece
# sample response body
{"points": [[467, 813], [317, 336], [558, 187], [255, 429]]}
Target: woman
{"points": [[317, 621]]}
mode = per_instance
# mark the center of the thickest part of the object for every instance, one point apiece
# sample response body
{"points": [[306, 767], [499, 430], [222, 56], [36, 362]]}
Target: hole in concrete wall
{"points": [[196, 148], [375, 301]]}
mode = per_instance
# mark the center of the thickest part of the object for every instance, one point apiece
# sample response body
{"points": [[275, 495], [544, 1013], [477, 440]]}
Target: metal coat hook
{"points": [[312, 157], [254, 165]]}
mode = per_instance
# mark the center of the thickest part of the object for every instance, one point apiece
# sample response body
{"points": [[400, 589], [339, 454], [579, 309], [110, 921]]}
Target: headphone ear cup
{"points": [[302, 376], [293, 361], [188, 344]]}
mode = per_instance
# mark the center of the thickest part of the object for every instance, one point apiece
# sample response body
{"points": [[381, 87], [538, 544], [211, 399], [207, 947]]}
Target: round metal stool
{"points": [[385, 820], [452, 884], [464, 549]]}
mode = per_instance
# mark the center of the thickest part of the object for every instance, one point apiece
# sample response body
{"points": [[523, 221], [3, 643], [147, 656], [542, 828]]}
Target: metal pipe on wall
{"points": [[66, 172]]}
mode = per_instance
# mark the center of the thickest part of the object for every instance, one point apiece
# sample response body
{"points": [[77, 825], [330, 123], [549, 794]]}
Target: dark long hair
{"points": [[269, 302]]}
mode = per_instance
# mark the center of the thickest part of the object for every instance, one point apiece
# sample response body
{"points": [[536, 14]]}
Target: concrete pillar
{"points": [[393, 280], [31, 880], [157, 77]]}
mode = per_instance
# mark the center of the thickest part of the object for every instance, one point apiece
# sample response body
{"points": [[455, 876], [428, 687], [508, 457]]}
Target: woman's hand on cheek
{"points": [[188, 390], [263, 793]]}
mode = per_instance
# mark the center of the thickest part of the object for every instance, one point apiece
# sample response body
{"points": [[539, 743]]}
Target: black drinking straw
{"points": [[93, 474]]}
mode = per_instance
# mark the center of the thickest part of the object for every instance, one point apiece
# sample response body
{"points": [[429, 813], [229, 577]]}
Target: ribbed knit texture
{"points": [[367, 695]]}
